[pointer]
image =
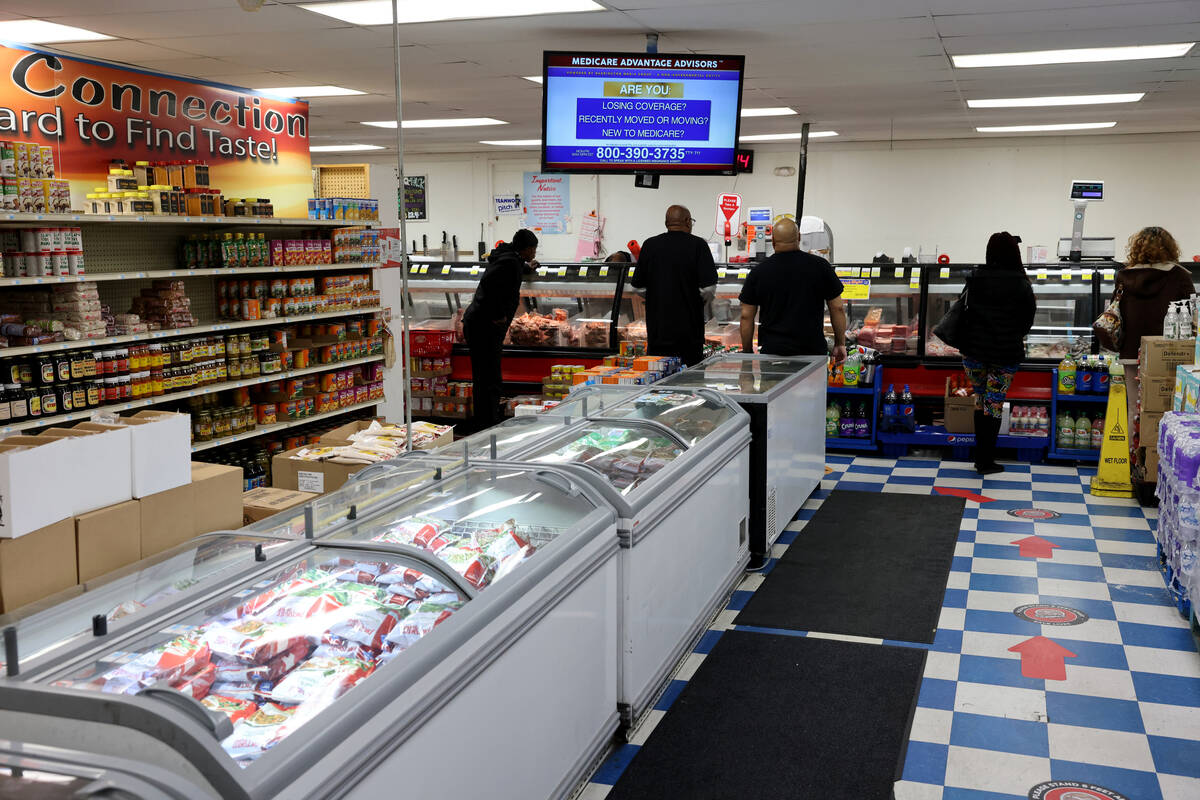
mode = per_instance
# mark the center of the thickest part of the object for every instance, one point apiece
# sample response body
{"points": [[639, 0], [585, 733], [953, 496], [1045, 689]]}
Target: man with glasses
{"points": [[676, 271]]}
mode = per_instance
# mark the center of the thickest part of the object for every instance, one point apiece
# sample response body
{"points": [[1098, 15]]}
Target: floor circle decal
{"points": [[1072, 790], [1045, 614], [1034, 514]]}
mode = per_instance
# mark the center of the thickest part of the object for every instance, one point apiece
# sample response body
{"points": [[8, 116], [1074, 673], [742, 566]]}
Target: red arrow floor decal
{"points": [[966, 494], [1035, 547], [1043, 658]]}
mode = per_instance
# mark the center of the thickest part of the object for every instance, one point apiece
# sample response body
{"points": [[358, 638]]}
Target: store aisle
{"points": [[1115, 703]]}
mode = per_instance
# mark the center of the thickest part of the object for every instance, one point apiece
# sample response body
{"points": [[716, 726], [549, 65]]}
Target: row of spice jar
{"points": [[214, 423]]}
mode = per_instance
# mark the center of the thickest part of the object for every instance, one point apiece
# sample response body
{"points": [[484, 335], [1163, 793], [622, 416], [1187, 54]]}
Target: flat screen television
{"points": [[621, 113]]}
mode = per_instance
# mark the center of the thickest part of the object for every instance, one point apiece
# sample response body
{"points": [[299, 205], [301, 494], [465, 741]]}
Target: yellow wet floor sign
{"points": [[1112, 475]]}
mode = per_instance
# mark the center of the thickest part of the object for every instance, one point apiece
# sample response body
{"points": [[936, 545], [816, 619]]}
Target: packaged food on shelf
{"points": [[343, 208]]}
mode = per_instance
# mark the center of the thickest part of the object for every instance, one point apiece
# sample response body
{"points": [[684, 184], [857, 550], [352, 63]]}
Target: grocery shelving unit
{"points": [[870, 394], [1093, 401], [125, 253]]}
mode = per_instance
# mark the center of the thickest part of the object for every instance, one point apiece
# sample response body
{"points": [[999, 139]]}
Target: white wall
{"points": [[946, 194]]}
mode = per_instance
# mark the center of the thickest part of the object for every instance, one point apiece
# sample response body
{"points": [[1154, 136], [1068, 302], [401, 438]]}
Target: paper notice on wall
{"points": [[547, 202], [391, 247], [507, 203], [589, 238]]}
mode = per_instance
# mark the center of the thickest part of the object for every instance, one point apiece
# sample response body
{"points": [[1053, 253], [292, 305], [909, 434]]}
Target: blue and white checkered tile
{"points": [[1125, 712]]}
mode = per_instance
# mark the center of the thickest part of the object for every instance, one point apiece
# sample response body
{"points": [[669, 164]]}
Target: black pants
{"points": [[486, 347]]}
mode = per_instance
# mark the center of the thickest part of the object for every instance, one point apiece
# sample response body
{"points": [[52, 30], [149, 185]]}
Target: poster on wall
{"points": [[416, 198], [89, 114], [507, 203], [547, 202]]}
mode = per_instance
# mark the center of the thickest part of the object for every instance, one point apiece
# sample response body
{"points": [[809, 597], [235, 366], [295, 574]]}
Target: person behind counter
{"points": [[1148, 283], [677, 272], [999, 313], [486, 320], [619, 257], [791, 290]]}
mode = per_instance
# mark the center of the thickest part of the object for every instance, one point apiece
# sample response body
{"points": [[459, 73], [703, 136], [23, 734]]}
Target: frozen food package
{"points": [[273, 670], [197, 685], [174, 659], [252, 641], [258, 732], [367, 625], [417, 624], [476, 567], [320, 679], [231, 707]]}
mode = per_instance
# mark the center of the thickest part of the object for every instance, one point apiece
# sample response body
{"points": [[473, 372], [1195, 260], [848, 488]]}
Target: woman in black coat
{"points": [[1000, 309]]}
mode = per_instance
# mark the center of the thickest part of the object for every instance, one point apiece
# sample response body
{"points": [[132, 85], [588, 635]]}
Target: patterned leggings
{"points": [[991, 384]]}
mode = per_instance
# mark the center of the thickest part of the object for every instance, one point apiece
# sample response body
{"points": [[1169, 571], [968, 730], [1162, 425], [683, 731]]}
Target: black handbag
{"points": [[952, 329]]}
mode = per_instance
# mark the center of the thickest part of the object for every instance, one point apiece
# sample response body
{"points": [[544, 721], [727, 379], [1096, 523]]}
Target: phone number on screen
{"points": [[641, 153]]}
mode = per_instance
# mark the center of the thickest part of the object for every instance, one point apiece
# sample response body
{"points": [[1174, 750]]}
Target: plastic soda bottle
{"points": [[832, 421], [1043, 422], [1100, 377], [1066, 375], [851, 369], [907, 412], [1097, 433], [1083, 432], [1066, 430], [1084, 376], [862, 425], [888, 421], [845, 422]]}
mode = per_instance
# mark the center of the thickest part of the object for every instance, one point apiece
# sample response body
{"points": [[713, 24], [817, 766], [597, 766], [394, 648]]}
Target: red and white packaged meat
{"points": [[167, 662], [252, 641], [197, 685], [273, 670], [257, 733], [231, 707], [416, 625], [476, 567], [320, 679]]}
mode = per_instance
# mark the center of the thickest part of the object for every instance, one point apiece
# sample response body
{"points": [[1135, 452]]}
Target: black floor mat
{"points": [[769, 716], [865, 565]]}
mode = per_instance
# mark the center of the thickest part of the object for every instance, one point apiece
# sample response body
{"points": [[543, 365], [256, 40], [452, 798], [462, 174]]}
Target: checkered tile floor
{"points": [[1127, 715]]}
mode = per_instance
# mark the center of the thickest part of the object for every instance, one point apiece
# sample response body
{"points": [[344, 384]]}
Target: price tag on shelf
{"points": [[562, 272], [856, 289], [720, 273], [541, 271], [446, 270], [583, 272], [604, 272], [474, 270], [1086, 274], [1065, 274], [898, 272], [944, 273], [1042, 274], [424, 269], [742, 273], [875, 272], [414, 269], [914, 278], [1108, 274]]}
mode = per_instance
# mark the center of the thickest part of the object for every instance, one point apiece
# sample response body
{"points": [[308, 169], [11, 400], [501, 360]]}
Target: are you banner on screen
{"points": [[93, 113]]}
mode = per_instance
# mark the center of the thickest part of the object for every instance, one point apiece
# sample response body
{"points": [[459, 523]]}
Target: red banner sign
{"points": [[93, 113]]}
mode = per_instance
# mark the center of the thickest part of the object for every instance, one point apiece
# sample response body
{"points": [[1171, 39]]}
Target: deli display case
{"points": [[883, 307], [664, 460], [785, 401], [394, 634]]}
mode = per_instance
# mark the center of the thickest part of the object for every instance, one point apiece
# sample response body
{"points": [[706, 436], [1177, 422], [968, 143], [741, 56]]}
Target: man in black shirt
{"points": [[676, 269], [792, 289], [486, 320]]}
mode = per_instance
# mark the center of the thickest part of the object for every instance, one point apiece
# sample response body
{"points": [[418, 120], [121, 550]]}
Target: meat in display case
{"points": [[562, 306], [342, 667], [662, 460], [887, 319]]}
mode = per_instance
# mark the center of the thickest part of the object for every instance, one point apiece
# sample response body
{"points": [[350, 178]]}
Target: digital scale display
{"points": [[1087, 190]]}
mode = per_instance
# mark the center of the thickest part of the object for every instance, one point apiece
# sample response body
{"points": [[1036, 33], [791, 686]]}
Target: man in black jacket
{"points": [[676, 269], [486, 320]]}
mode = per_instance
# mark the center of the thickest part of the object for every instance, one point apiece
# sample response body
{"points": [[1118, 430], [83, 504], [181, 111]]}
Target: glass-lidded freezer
{"points": [[785, 400], [351, 668], [51, 773], [675, 467], [122, 598]]}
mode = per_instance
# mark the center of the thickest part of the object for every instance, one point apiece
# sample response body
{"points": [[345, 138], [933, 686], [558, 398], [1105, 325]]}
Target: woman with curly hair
{"points": [[1148, 283]]}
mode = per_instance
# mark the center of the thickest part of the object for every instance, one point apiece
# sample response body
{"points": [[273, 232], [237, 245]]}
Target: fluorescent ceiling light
{"points": [[779, 137], [534, 78], [514, 142], [468, 122], [342, 148], [37, 31], [1067, 100], [310, 91], [1064, 126], [1082, 56], [779, 111], [379, 12]]}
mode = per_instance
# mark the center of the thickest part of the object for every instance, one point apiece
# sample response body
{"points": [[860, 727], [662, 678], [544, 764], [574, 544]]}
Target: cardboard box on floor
{"points": [[100, 461], [31, 492], [1148, 458], [258, 504], [1158, 357], [959, 412], [216, 498], [108, 539], [37, 565], [160, 447], [317, 477]]}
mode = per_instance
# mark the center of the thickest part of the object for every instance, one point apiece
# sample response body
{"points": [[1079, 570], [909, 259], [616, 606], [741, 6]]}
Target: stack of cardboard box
{"points": [[1158, 362], [77, 503]]}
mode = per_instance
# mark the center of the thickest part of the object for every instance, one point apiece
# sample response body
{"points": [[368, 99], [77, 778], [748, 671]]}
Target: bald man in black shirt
{"points": [[676, 269]]}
